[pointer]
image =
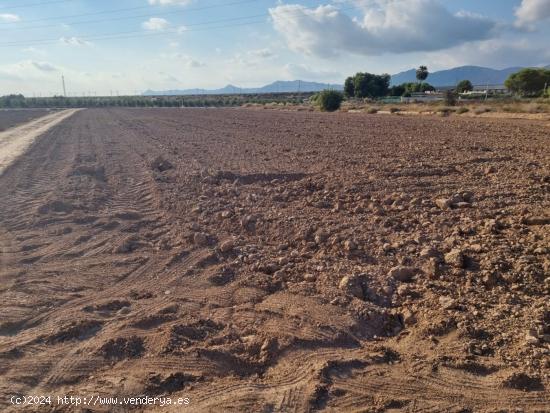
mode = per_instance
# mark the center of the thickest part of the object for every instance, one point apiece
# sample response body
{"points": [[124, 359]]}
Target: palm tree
{"points": [[422, 73]]}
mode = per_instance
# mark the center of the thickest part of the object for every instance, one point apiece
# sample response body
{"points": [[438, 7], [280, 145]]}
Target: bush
{"points": [[394, 110], [329, 100], [372, 111], [462, 110], [450, 98], [445, 111], [482, 110]]}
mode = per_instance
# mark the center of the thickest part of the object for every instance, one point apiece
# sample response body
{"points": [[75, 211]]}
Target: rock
{"points": [[310, 277], [443, 203], [249, 223], [455, 258], [160, 164], [227, 245], [408, 317], [468, 196], [350, 245], [430, 252], [402, 273], [541, 220], [489, 170], [200, 239], [226, 214], [432, 268], [354, 285], [128, 244], [489, 279], [321, 236], [532, 337], [447, 303]]}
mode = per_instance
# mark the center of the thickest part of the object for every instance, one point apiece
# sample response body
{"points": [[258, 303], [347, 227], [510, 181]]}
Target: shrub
{"points": [[462, 110], [394, 110], [329, 100], [445, 111], [450, 98], [372, 111], [483, 109]]}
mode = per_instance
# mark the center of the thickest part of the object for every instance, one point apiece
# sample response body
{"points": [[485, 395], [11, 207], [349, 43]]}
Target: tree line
{"points": [[20, 101]]}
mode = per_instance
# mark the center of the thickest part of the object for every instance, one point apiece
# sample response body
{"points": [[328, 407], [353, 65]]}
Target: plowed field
{"points": [[270, 261]]}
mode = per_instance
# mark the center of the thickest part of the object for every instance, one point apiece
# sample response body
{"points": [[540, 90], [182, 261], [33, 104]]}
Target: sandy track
{"points": [[117, 279], [15, 141]]}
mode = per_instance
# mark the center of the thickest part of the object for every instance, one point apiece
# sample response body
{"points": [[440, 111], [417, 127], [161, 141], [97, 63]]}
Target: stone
{"points": [[455, 258], [443, 203], [430, 252], [227, 245], [350, 245], [402, 273], [249, 223], [200, 239], [310, 277], [354, 285], [531, 337], [447, 303], [408, 317], [432, 268]]}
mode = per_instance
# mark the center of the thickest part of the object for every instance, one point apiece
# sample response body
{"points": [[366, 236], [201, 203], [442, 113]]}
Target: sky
{"points": [[105, 47]]}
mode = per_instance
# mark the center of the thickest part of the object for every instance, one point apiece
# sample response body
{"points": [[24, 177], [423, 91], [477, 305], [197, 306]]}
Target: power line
{"points": [[117, 18], [139, 33], [126, 35], [20, 6], [148, 15], [187, 9]]}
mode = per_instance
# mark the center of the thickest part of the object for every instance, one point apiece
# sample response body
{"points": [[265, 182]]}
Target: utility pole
{"points": [[63, 82]]}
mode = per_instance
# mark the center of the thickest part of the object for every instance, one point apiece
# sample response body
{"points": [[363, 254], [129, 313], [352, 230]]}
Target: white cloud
{"points": [[44, 66], [170, 2], [184, 60], [155, 24], [261, 53], [532, 11], [387, 26], [9, 18], [305, 72], [34, 50], [74, 41], [494, 53], [182, 29]]}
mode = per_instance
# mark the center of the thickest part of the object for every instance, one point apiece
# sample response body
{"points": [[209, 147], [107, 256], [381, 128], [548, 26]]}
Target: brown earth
{"points": [[13, 117], [266, 261]]}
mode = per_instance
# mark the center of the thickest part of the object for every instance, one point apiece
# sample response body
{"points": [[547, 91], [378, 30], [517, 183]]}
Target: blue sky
{"points": [[128, 46]]}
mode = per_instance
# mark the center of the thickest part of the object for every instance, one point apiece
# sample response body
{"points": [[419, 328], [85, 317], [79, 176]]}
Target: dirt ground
{"points": [[271, 261], [13, 117]]}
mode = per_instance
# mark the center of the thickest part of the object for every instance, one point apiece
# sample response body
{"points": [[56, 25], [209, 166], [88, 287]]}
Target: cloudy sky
{"points": [[128, 46]]}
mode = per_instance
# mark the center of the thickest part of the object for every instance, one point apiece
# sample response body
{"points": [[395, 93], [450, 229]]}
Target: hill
{"points": [[476, 74], [279, 86]]}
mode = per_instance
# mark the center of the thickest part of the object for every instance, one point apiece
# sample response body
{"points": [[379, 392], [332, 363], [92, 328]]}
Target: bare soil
{"points": [[270, 261], [13, 117]]}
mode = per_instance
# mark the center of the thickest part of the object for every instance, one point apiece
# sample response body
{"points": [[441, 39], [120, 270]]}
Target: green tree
{"points": [[422, 73], [464, 86], [329, 100], [528, 82], [397, 90], [349, 87], [368, 85]]}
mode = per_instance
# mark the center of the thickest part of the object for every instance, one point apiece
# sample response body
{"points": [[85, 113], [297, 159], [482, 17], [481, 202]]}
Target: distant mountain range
{"points": [[476, 74], [279, 86]]}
